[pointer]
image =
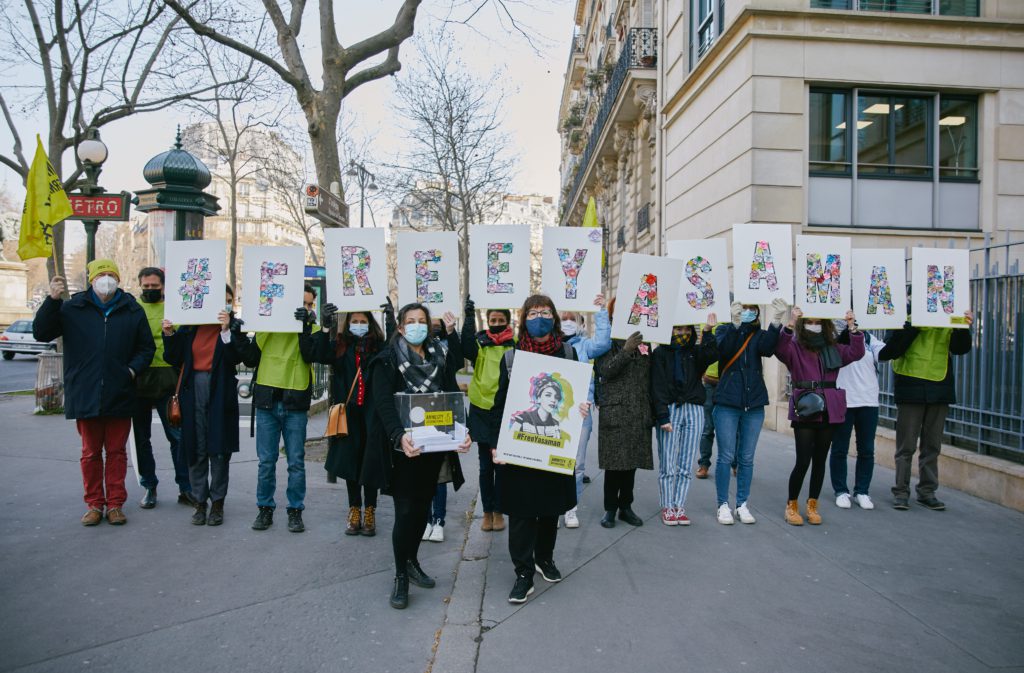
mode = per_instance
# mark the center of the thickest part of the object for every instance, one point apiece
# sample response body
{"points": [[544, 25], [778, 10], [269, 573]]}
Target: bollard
{"points": [[50, 384]]}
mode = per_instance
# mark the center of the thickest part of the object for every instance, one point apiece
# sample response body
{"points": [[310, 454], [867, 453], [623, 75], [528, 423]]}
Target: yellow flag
{"points": [[46, 204], [590, 220]]}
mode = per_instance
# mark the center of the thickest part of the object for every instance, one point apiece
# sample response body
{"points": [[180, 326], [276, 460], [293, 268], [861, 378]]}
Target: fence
{"points": [[321, 379]]}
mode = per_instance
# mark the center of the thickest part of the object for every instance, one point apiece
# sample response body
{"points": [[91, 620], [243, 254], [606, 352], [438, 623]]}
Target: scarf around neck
{"points": [[488, 338], [529, 344], [827, 355], [420, 374]]}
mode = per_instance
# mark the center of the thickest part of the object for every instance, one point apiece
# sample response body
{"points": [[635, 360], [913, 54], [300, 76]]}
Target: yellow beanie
{"points": [[98, 266]]}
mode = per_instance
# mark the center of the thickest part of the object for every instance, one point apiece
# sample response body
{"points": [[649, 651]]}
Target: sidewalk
{"points": [[867, 591]]}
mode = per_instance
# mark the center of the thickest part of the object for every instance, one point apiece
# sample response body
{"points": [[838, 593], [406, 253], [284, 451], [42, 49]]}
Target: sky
{"points": [[532, 77]]}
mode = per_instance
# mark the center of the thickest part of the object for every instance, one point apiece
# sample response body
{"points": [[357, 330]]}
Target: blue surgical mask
{"points": [[748, 315], [540, 327], [416, 333], [359, 329]]}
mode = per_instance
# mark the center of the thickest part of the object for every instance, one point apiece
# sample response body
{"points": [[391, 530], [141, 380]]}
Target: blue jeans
{"points": [[581, 452], [865, 421], [271, 425], [737, 432], [440, 505]]}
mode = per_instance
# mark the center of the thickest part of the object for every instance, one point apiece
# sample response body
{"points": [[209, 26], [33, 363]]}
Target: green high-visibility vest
{"points": [[155, 316], [486, 372], [928, 355], [712, 370], [281, 363]]}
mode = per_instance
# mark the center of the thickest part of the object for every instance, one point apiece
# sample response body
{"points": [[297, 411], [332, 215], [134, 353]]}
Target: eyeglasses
{"points": [[546, 313]]}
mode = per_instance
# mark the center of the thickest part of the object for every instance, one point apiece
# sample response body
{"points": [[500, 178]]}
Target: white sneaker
{"points": [[571, 520], [725, 515], [864, 501], [437, 533], [744, 514], [426, 532], [843, 501]]}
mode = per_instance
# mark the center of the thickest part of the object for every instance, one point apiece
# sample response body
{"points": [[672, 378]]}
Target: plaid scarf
{"points": [[420, 374], [531, 345]]}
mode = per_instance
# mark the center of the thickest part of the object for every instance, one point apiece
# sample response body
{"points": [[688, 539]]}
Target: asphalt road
{"points": [[18, 374]]}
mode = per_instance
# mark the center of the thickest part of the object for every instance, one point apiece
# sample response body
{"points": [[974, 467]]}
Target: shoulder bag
{"points": [[337, 416]]}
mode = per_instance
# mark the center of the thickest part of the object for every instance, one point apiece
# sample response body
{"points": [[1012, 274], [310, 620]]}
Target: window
{"points": [[941, 7], [706, 25], [830, 138], [893, 135], [958, 138]]}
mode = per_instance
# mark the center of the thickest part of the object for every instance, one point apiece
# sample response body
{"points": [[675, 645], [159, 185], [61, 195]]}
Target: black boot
{"points": [[418, 577], [199, 516], [295, 520], [265, 519], [608, 520], [400, 594], [149, 499], [629, 516], [216, 517]]}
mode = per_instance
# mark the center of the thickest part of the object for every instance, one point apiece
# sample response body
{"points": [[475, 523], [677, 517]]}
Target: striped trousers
{"points": [[676, 452]]}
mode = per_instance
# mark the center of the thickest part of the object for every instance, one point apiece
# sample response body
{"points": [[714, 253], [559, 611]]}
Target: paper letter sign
{"points": [[705, 280], [272, 287], [825, 265], [356, 261], [572, 267], [269, 289], [499, 265], [879, 288], [646, 297], [196, 273], [429, 270], [941, 284], [762, 262]]}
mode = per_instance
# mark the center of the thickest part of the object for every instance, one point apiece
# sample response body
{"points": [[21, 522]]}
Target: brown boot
{"points": [[497, 521], [702, 472], [488, 522], [793, 517], [354, 519], [370, 522], [92, 517], [813, 517], [115, 517]]}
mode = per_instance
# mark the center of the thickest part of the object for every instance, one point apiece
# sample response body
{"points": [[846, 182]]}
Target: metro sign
{"points": [[100, 207]]}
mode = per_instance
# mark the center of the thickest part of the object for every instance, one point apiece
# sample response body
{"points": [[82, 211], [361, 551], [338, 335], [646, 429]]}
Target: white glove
{"points": [[779, 310], [735, 309]]}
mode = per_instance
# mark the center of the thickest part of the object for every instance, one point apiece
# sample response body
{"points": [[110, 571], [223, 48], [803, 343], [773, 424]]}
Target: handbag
{"points": [[174, 404], [810, 402], [337, 415]]}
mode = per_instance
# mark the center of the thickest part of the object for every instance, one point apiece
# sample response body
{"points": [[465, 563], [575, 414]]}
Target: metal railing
{"points": [[321, 379], [575, 46]]}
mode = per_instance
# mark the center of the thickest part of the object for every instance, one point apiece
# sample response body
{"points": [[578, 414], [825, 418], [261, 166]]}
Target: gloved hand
{"points": [[305, 317], [329, 313], [779, 310], [236, 324], [470, 308], [735, 309], [633, 342], [388, 308]]}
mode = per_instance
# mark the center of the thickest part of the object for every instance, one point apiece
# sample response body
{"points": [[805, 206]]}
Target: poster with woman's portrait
{"points": [[541, 424]]}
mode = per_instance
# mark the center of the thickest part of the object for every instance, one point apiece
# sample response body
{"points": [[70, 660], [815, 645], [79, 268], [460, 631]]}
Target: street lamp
{"points": [[366, 182], [91, 154]]}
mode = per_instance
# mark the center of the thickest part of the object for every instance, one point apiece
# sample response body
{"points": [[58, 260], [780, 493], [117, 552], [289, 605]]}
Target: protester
{"points": [[282, 390], [860, 381], [678, 395], [740, 399], [924, 389], [485, 349], [707, 436], [209, 404], [587, 349], [154, 389], [412, 362], [107, 345], [808, 348], [534, 499]]}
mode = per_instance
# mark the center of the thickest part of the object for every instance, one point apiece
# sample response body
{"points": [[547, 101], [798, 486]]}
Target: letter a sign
{"points": [[646, 297], [762, 263]]}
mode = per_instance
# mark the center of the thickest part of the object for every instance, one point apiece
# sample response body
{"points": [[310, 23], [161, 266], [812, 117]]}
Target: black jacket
{"points": [[742, 385], [263, 397], [912, 390], [665, 390], [98, 351]]}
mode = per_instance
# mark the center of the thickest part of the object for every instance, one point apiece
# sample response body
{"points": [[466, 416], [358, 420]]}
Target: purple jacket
{"points": [[804, 366]]}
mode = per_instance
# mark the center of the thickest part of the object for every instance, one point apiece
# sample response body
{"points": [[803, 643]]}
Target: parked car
{"points": [[18, 339]]}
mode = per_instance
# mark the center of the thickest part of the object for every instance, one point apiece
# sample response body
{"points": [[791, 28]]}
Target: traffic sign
{"points": [[100, 206], [325, 206]]}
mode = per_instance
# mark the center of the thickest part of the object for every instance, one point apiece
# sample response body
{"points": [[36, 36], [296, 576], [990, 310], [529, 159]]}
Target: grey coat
{"points": [[624, 399]]}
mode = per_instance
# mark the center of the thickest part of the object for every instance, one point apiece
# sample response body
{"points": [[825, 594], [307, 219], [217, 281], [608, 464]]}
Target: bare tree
{"points": [[286, 175], [95, 64]]}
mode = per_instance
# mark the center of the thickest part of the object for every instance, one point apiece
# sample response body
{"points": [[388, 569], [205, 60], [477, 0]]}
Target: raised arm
{"points": [[47, 326]]}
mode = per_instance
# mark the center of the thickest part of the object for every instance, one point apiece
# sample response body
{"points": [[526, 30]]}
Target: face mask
{"points": [[539, 327], [815, 329], [681, 339], [105, 285], [151, 296], [359, 329], [228, 308], [569, 327], [748, 315], [416, 333], [497, 329]]}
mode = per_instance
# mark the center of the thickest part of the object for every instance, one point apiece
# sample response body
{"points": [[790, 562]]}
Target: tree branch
{"points": [[21, 168]]}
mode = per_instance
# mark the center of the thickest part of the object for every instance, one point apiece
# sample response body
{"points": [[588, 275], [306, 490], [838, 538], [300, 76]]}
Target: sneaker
{"points": [[571, 520], [437, 533], [426, 532], [744, 514], [668, 517], [725, 514], [843, 501], [900, 503], [115, 517], [548, 571], [295, 524], [864, 501], [92, 517], [521, 589], [681, 518], [265, 519], [931, 502], [149, 499]]}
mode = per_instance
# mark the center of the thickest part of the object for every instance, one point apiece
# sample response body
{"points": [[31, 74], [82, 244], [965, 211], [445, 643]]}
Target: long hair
{"points": [[373, 338], [539, 301], [828, 331], [404, 311]]}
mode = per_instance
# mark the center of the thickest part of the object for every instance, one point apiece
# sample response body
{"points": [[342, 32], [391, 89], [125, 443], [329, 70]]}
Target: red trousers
{"points": [[97, 434]]}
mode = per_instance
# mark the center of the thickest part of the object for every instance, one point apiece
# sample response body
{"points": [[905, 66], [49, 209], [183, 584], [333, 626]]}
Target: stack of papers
{"points": [[428, 438]]}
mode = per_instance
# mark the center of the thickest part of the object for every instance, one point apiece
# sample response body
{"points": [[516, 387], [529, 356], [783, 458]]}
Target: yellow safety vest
{"points": [[281, 363], [155, 316], [928, 355]]}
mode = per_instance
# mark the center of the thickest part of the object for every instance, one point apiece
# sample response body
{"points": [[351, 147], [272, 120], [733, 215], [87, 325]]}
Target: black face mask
{"points": [[497, 329], [152, 296], [438, 331]]}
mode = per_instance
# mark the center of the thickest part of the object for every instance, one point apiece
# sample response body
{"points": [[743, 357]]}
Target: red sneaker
{"points": [[668, 517], [682, 519]]}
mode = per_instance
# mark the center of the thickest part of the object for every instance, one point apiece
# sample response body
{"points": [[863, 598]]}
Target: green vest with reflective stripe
{"points": [[928, 355], [155, 316], [486, 372], [281, 363]]}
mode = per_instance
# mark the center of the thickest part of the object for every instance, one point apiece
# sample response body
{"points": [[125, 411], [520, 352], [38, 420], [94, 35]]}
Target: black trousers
{"points": [[531, 539], [812, 444], [618, 489], [360, 495], [410, 519]]}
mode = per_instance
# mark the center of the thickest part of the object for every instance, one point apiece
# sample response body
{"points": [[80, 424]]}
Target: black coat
{"points": [[98, 352], [385, 462], [527, 492], [912, 390], [742, 385], [623, 392], [222, 421], [665, 389], [263, 396]]}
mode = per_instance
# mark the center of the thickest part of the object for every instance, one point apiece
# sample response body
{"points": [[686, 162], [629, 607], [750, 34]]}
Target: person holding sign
{"points": [[534, 499], [413, 362], [923, 364], [817, 407], [740, 400]]}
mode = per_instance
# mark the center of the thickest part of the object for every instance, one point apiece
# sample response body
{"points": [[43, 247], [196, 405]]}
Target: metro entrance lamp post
{"points": [[365, 179], [91, 153]]}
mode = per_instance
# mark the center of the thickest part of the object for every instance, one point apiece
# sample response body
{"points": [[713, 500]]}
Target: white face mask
{"points": [[816, 329], [569, 327], [105, 286]]}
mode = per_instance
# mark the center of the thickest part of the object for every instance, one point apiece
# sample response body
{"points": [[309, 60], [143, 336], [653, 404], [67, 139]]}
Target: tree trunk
{"points": [[233, 253], [322, 120]]}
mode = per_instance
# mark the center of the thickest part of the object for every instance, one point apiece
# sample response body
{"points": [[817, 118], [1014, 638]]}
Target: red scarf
{"points": [[501, 337], [549, 347]]}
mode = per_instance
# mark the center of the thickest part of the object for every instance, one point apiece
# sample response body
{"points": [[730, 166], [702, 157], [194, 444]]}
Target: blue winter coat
{"points": [[742, 385]]}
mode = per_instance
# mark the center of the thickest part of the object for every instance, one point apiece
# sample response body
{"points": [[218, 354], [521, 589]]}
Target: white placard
{"points": [[571, 267], [879, 288], [541, 424], [762, 262], [428, 270], [823, 276], [705, 285], [499, 265], [941, 284], [356, 260], [647, 297], [196, 273], [272, 282]]}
